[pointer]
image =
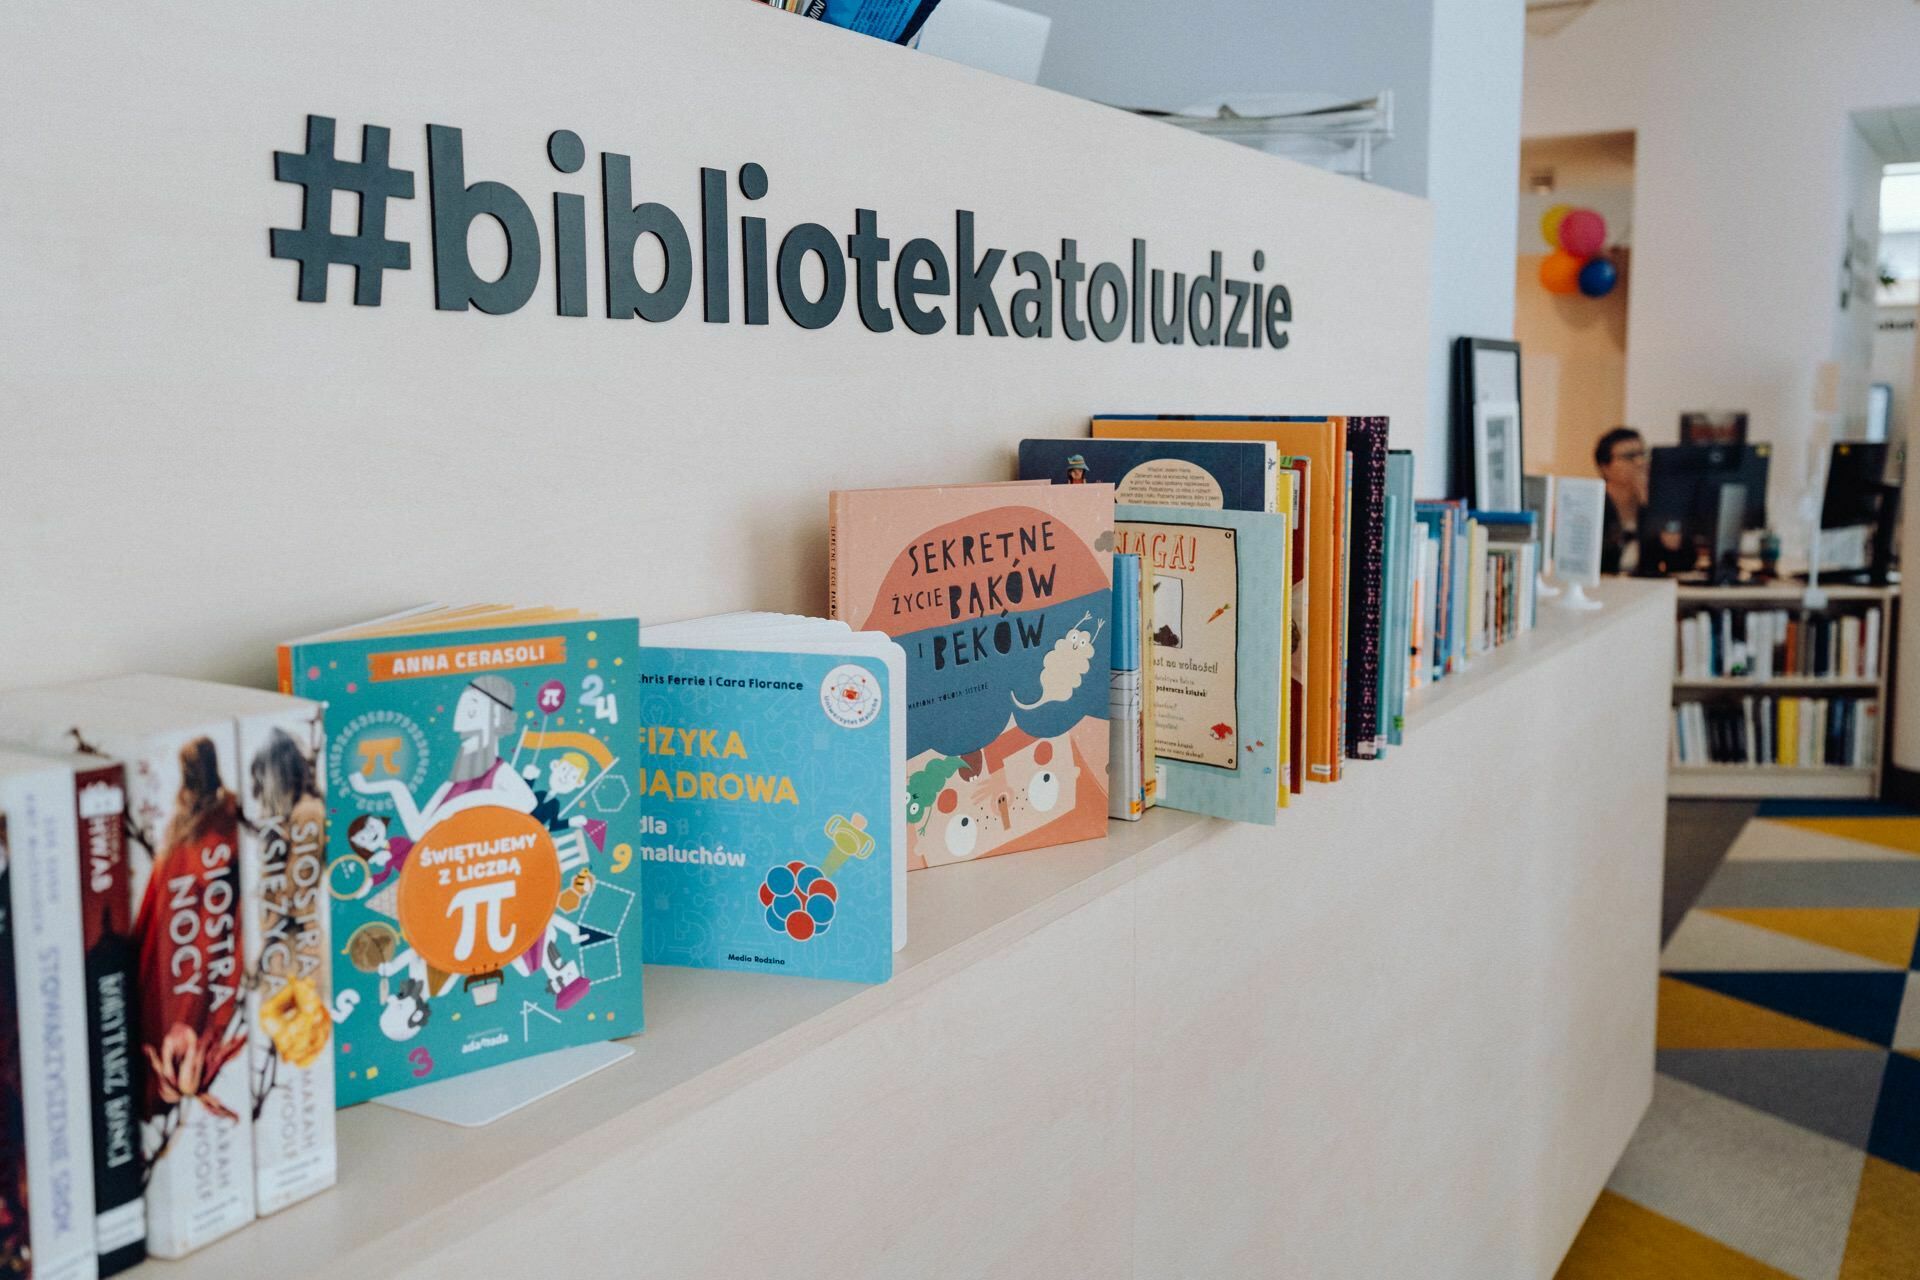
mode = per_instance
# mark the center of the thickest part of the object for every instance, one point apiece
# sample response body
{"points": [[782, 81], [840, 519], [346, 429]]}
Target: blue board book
{"points": [[1218, 578], [1237, 475], [480, 856], [767, 792]]}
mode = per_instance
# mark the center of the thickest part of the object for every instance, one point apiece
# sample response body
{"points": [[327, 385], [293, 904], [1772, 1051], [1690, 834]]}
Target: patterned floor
{"points": [[1784, 1136]]}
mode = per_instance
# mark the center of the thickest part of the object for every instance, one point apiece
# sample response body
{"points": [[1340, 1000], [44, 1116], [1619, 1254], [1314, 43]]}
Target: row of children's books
{"points": [[1760, 644], [457, 834], [1790, 732]]}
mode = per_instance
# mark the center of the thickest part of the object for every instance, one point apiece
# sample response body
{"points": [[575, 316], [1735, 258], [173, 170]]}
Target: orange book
{"points": [[1323, 441]]}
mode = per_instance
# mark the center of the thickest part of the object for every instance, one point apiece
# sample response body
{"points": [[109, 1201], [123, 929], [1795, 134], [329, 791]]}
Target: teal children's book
{"points": [[1218, 578], [482, 846], [772, 763]]}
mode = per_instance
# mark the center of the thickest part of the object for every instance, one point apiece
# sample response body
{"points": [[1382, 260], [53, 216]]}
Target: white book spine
{"points": [[283, 850], [1870, 658], [44, 857]]}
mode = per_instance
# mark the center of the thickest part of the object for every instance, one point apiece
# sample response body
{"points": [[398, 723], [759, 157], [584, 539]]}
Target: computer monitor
{"points": [[1683, 499], [1858, 512], [1855, 475]]}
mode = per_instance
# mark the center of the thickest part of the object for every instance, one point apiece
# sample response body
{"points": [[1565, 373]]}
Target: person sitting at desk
{"points": [[1621, 458]]}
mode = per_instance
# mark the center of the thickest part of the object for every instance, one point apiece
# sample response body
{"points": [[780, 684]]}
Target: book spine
{"points": [[1125, 790], [16, 1245], [1366, 595], [43, 853], [833, 557], [120, 1214], [284, 906]]}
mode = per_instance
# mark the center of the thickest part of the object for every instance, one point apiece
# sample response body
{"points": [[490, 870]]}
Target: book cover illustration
{"points": [[1219, 578], [283, 868], [481, 848], [1232, 474], [1001, 596], [183, 827], [767, 785]]}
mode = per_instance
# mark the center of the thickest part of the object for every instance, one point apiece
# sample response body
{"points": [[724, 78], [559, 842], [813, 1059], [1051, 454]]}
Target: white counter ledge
{"points": [[1405, 1032]]}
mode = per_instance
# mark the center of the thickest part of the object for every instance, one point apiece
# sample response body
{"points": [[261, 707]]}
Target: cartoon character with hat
{"points": [[1076, 469]]}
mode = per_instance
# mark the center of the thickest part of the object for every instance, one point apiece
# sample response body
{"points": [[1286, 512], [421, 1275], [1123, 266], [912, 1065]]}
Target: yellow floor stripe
{"points": [[1885, 934], [1884, 1243], [1623, 1241], [1889, 833], [1694, 1018]]}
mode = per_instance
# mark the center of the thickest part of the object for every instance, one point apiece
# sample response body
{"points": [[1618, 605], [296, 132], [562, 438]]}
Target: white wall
{"points": [[1473, 152], [197, 466], [1454, 67], [1741, 112]]}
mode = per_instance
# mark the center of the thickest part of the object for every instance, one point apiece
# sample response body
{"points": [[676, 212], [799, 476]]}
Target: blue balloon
{"points": [[780, 880], [820, 907], [1598, 277], [786, 904], [806, 877]]}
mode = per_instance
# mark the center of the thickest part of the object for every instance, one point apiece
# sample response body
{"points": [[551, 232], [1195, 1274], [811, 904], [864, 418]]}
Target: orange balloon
{"points": [[1560, 273]]}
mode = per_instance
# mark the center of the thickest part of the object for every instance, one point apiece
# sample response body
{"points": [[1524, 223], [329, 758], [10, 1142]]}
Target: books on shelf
{"points": [[481, 766], [1001, 596], [1219, 595], [773, 765], [46, 1184], [1323, 443], [1777, 730], [1762, 644], [285, 926], [186, 892]]}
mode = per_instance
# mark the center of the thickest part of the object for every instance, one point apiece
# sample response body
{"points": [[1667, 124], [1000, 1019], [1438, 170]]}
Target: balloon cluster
{"points": [[1578, 238], [799, 900]]}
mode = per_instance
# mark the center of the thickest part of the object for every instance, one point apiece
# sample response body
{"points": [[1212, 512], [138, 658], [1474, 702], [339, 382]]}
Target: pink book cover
{"points": [[1001, 596]]}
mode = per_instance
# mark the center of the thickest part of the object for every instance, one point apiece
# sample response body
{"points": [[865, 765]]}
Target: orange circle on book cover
{"points": [[479, 889]]}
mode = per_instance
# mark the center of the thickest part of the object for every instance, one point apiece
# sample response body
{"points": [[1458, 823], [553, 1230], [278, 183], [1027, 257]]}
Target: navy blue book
{"points": [[1213, 475]]}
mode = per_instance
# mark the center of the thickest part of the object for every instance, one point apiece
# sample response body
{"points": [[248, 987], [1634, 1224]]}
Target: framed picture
{"points": [[1487, 424], [1496, 456]]}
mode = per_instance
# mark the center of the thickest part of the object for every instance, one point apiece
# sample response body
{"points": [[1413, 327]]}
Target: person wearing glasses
{"points": [[1622, 460]]}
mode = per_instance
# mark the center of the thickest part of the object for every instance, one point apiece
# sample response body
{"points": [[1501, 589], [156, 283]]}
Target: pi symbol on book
{"points": [[552, 696], [383, 752]]}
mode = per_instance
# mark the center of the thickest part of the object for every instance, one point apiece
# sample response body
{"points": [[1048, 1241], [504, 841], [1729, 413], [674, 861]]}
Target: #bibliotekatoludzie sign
{"points": [[927, 289]]}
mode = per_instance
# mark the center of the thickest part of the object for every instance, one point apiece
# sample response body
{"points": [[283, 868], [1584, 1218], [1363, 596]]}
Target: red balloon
{"points": [[1560, 273], [1583, 233]]}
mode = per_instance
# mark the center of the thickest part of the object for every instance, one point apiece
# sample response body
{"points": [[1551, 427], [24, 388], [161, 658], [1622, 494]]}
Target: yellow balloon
{"points": [[1550, 224]]}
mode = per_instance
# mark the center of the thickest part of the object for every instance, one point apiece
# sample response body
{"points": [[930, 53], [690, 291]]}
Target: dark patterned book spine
{"points": [[1367, 443], [106, 912], [15, 1254]]}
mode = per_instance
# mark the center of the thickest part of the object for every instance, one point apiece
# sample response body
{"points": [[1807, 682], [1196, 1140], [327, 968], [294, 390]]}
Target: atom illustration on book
{"points": [[799, 899]]}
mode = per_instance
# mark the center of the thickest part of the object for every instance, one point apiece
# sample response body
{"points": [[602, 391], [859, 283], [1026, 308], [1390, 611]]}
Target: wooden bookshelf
{"points": [[1745, 781]]}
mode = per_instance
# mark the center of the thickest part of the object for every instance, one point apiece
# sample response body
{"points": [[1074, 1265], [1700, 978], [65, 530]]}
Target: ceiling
{"points": [[1893, 131]]}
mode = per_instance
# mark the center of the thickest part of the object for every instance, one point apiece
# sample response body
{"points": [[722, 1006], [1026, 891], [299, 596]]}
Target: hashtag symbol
{"points": [[314, 244]]}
